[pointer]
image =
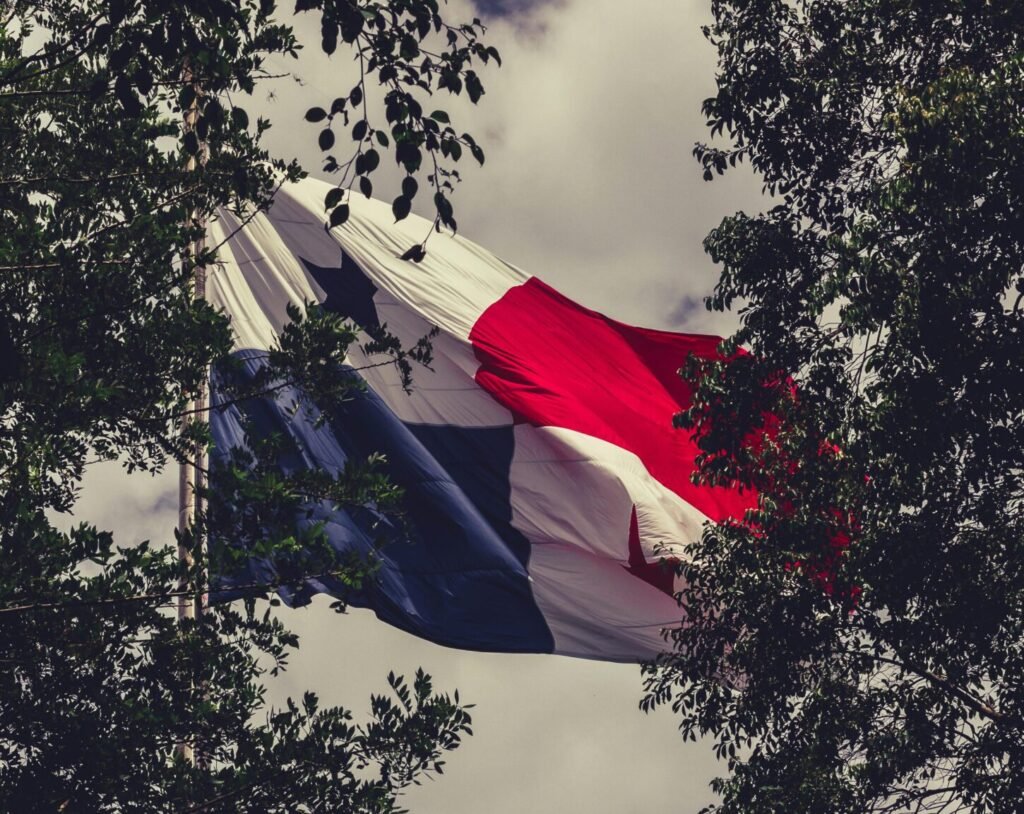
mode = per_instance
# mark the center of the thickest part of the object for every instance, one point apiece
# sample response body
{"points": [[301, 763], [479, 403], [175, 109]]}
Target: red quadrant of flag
{"points": [[554, 363]]}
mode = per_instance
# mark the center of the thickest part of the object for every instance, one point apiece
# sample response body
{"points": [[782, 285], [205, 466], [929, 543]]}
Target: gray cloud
{"points": [[589, 184], [592, 184], [687, 311], [498, 9]]}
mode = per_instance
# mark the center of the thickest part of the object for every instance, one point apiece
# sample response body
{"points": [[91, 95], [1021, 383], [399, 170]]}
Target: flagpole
{"points": [[192, 470]]}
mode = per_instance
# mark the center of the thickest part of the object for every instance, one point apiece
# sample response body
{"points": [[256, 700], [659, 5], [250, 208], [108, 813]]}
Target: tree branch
{"points": [[160, 597]]}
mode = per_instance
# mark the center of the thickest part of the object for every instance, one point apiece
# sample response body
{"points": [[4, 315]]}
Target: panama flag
{"points": [[544, 481]]}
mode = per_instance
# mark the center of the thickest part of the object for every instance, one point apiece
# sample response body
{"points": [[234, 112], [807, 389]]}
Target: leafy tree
{"points": [[103, 190], [856, 642]]}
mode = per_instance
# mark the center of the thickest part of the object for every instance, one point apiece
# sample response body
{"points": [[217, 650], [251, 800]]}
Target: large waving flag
{"points": [[544, 480]]}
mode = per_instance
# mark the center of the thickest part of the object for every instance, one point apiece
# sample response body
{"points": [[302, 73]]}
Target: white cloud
{"points": [[137, 507], [591, 183]]}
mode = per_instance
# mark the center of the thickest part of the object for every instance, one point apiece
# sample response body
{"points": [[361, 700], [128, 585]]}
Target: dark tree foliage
{"points": [[856, 643], [103, 190], [395, 43]]}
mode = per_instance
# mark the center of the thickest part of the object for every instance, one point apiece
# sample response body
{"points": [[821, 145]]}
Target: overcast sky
{"points": [[590, 185]]}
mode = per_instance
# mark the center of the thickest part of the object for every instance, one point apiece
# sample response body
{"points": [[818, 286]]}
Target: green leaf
{"points": [[409, 48], [339, 215], [143, 80], [414, 253], [186, 97], [444, 208], [328, 36], [474, 87], [126, 96], [333, 197], [409, 156], [401, 207], [213, 111], [371, 160], [101, 35]]}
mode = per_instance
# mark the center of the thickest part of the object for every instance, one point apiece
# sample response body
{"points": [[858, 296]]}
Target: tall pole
{"points": [[192, 471]]}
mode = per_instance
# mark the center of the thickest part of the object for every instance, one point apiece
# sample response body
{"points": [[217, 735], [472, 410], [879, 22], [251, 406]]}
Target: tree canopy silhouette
{"points": [[856, 643], [103, 193]]}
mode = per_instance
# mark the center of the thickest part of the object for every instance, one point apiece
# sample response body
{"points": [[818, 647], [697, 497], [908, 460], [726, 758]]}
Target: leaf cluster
{"points": [[408, 51], [854, 643], [123, 131]]}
